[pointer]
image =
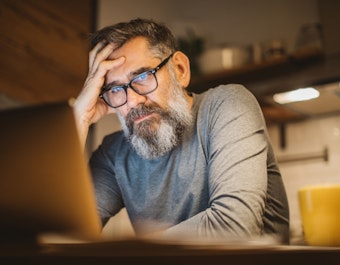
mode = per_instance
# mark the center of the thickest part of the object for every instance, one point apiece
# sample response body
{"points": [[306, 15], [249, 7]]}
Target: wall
{"points": [[219, 21], [308, 137]]}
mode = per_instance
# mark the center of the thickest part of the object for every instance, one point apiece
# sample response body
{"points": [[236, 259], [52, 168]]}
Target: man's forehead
{"points": [[136, 47], [135, 63]]}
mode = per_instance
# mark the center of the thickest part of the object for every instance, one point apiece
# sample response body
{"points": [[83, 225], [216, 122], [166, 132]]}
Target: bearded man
{"points": [[185, 165]]}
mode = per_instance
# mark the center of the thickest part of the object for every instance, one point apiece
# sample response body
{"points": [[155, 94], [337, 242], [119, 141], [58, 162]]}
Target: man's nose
{"points": [[133, 98]]}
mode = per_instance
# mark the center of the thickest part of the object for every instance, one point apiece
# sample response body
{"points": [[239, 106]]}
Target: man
{"points": [[185, 164]]}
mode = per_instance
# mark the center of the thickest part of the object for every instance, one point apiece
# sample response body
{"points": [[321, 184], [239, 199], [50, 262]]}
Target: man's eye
{"points": [[142, 77], [116, 89]]}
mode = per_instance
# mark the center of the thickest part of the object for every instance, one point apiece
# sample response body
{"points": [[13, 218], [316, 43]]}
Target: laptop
{"points": [[45, 185]]}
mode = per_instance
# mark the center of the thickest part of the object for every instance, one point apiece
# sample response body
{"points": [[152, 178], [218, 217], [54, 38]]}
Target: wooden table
{"points": [[153, 252]]}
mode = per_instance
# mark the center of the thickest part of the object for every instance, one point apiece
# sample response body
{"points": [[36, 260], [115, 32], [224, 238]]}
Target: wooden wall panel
{"points": [[44, 48]]}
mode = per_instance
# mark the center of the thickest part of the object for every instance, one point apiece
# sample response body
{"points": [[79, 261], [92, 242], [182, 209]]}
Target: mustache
{"points": [[140, 111]]}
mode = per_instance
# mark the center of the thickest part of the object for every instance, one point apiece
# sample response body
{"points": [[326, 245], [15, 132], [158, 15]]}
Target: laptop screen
{"points": [[45, 185]]}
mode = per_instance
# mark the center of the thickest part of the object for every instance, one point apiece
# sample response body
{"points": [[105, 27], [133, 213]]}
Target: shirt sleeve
{"points": [[233, 132], [108, 194]]}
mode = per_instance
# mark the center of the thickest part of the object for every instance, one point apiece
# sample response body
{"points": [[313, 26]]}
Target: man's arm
{"points": [[237, 144]]}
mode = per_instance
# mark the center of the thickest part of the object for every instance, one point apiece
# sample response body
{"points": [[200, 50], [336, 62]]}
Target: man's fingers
{"points": [[94, 51], [107, 65], [99, 54], [96, 80]]}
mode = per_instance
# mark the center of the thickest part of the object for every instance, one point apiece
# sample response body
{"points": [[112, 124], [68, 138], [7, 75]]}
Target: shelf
{"points": [[264, 79], [256, 71]]}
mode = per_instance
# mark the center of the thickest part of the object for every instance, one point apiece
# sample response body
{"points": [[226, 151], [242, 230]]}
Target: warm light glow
{"points": [[300, 94]]}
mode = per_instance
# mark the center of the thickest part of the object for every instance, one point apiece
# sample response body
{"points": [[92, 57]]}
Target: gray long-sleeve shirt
{"points": [[222, 180]]}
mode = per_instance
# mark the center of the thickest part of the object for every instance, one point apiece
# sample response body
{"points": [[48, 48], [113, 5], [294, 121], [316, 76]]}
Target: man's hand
{"points": [[88, 107]]}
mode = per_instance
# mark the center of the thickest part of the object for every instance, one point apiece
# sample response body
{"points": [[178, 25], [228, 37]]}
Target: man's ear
{"points": [[182, 68]]}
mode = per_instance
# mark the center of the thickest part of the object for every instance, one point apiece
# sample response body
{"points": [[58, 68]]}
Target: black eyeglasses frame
{"points": [[126, 86]]}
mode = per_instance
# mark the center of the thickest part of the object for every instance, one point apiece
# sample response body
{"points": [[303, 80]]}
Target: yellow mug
{"points": [[320, 214]]}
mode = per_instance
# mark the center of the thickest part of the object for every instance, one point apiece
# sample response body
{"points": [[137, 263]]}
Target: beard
{"points": [[160, 133]]}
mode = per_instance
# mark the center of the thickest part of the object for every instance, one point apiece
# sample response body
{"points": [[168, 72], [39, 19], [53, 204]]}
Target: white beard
{"points": [[150, 143]]}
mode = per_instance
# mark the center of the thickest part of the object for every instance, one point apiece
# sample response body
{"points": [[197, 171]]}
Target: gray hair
{"points": [[158, 35]]}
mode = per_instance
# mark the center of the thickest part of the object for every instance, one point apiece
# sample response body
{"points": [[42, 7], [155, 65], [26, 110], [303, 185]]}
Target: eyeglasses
{"points": [[142, 84]]}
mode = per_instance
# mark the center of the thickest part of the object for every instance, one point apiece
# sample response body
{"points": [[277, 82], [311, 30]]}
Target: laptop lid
{"points": [[45, 185]]}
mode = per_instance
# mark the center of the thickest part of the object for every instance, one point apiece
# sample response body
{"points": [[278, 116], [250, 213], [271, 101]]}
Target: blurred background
{"points": [[270, 46]]}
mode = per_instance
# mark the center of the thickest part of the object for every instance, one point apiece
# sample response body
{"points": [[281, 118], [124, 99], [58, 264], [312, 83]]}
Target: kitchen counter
{"points": [[153, 252]]}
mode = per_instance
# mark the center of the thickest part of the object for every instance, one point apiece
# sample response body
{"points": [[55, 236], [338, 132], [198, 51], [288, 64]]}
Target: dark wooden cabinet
{"points": [[44, 48]]}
